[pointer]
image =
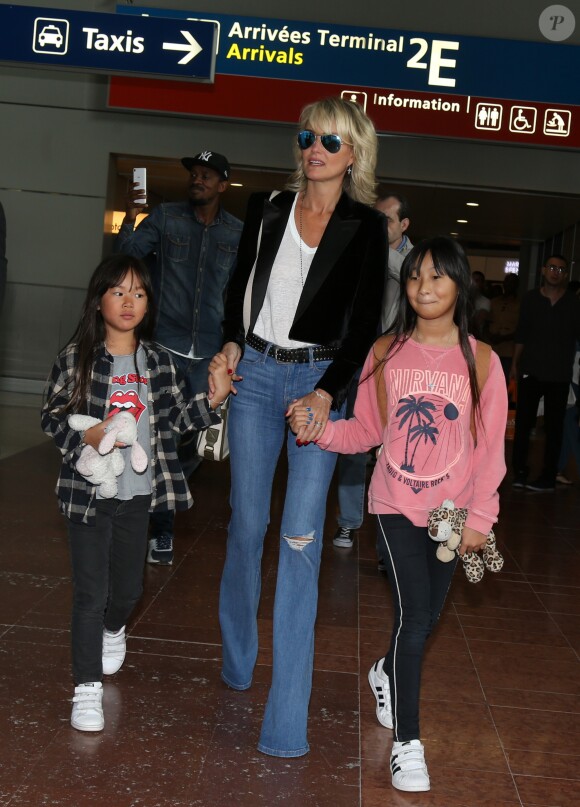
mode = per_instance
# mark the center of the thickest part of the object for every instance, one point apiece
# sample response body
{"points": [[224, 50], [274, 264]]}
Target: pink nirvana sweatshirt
{"points": [[428, 452]]}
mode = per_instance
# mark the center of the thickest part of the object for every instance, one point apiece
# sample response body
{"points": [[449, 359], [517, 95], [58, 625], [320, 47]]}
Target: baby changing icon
{"points": [[557, 122]]}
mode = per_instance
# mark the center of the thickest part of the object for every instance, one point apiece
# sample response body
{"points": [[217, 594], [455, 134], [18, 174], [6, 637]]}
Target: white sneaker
{"points": [[87, 711], [160, 550], [344, 537], [408, 767], [114, 649], [379, 681]]}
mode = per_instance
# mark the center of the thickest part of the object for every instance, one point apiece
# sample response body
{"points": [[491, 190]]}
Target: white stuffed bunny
{"points": [[102, 467]]}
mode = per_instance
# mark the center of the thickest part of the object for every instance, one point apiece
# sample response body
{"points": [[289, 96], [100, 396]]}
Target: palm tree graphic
{"points": [[420, 410], [427, 432]]}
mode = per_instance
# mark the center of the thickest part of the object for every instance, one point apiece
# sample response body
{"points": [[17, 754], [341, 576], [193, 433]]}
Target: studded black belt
{"points": [[295, 355]]}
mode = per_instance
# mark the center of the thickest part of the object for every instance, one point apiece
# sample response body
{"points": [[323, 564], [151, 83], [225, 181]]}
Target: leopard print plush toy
{"points": [[445, 525]]}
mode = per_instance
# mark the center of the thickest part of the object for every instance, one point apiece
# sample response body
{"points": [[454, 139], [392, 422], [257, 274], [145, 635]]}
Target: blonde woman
{"points": [[302, 311]]}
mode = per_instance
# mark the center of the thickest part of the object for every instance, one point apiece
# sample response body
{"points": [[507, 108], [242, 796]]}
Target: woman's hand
{"points": [[218, 372], [308, 416], [233, 353], [471, 541]]}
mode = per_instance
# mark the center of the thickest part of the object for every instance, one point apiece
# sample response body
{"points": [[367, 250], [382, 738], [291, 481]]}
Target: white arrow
{"points": [[192, 49]]}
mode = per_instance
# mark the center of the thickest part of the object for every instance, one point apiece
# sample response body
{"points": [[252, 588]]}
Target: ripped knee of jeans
{"points": [[298, 542]]}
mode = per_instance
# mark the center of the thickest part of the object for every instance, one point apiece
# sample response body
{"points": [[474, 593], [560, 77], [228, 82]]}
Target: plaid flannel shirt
{"points": [[170, 415]]}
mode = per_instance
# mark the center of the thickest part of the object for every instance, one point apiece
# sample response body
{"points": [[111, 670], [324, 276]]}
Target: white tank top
{"points": [[285, 287]]}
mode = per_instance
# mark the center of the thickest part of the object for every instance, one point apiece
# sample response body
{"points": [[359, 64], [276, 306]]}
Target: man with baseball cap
{"points": [[191, 247]]}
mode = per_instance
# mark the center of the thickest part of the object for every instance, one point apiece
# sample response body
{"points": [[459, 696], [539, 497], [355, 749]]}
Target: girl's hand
{"points": [[312, 413], [233, 353], [471, 541], [300, 416], [95, 434], [218, 372]]}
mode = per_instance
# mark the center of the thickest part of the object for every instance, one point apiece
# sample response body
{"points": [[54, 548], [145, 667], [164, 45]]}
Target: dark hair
{"points": [[448, 259], [404, 206], [558, 258], [90, 332]]}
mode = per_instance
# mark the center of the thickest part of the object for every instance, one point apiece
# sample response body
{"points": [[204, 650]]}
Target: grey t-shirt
{"points": [[129, 394]]}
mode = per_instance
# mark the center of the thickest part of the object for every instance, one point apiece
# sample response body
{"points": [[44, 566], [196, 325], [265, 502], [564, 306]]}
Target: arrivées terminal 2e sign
{"points": [[109, 43], [404, 60], [417, 83]]}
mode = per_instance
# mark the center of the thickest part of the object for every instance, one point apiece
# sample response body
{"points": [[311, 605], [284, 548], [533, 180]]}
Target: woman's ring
{"points": [[318, 423]]}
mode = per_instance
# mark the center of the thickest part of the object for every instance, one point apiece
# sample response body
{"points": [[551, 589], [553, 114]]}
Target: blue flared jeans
{"points": [[257, 430]]}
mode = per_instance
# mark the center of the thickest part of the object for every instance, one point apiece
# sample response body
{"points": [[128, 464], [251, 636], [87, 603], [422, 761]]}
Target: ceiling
{"points": [[503, 220]]}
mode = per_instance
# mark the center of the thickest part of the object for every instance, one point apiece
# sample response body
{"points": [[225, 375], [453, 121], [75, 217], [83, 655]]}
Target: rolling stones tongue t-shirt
{"points": [[129, 394]]}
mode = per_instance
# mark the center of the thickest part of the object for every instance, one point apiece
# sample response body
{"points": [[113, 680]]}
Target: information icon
{"points": [[356, 97]]}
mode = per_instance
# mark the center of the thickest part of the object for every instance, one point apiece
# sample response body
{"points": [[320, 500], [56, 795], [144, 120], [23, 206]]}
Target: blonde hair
{"points": [[347, 119]]}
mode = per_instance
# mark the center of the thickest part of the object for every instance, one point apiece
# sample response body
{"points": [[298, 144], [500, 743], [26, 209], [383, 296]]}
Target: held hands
{"points": [[219, 380], [471, 541], [232, 353], [308, 416]]}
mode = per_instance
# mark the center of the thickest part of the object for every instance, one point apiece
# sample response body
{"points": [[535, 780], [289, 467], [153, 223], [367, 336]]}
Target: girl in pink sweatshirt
{"points": [[443, 439]]}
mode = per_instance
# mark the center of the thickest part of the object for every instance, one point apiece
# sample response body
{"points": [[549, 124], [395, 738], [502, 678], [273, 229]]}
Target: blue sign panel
{"points": [[372, 57], [108, 42]]}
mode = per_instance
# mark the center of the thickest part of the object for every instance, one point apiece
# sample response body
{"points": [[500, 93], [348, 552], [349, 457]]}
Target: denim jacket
{"points": [[191, 266]]}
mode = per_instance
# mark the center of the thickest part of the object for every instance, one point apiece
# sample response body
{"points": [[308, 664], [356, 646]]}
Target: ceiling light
{"points": [[462, 221], [453, 233], [472, 204], [236, 185]]}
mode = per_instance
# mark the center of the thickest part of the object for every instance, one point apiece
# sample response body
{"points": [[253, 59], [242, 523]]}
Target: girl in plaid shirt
{"points": [[109, 366]]}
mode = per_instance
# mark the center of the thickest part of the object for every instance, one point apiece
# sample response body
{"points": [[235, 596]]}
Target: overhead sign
{"points": [[404, 60], [392, 111], [109, 43], [464, 87]]}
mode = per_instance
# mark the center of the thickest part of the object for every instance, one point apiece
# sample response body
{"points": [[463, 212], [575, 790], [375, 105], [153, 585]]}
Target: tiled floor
{"points": [[501, 694]]}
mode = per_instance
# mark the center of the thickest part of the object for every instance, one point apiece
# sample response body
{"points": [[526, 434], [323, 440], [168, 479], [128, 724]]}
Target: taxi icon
{"points": [[50, 35]]}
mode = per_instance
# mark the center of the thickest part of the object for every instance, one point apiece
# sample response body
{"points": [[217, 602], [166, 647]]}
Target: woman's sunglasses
{"points": [[331, 142]]}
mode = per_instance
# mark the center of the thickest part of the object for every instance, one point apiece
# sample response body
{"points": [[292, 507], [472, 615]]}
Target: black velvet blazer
{"points": [[340, 305]]}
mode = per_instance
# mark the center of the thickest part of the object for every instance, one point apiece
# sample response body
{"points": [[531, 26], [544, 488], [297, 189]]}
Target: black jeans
{"points": [[419, 584], [194, 372], [107, 562], [555, 393]]}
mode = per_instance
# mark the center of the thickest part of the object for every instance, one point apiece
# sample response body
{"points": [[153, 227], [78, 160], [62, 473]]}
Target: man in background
{"points": [[192, 247], [3, 262], [503, 319], [545, 343]]}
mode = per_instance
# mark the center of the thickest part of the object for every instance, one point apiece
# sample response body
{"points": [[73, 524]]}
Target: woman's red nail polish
{"points": [[299, 442], [230, 372]]}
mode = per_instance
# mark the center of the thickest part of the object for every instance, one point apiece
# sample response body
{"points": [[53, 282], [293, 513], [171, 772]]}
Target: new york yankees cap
{"points": [[214, 160]]}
